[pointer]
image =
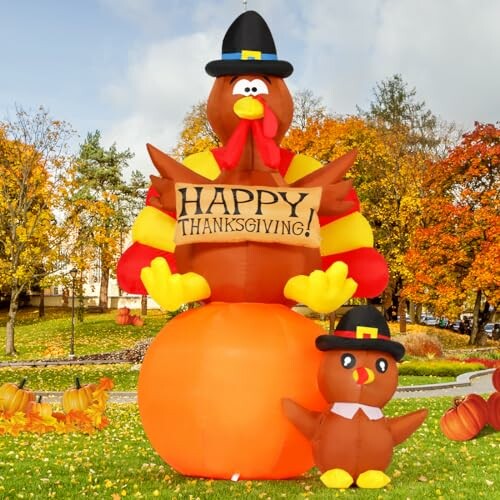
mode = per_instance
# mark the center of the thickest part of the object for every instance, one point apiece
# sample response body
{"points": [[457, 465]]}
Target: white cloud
{"points": [[162, 82], [448, 51], [339, 49]]}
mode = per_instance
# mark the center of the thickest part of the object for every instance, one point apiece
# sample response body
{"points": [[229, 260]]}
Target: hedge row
{"points": [[439, 368]]}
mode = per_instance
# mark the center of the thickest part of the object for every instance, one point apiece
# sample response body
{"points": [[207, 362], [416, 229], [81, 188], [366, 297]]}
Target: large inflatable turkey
{"points": [[250, 110], [249, 229]]}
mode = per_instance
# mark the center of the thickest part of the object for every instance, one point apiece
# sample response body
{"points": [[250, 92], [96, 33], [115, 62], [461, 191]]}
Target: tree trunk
{"points": [[402, 316], [477, 334], [10, 348], [65, 297], [41, 305], [103, 292], [144, 305], [418, 313]]}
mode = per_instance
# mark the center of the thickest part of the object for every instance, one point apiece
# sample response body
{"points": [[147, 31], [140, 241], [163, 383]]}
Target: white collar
{"points": [[348, 410]]}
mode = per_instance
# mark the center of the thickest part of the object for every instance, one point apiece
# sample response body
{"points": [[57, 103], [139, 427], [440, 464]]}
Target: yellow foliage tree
{"points": [[35, 179]]}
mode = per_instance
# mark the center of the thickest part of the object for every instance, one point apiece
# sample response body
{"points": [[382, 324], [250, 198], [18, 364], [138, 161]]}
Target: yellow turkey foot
{"points": [[336, 478], [373, 479], [322, 291], [169, 290]]}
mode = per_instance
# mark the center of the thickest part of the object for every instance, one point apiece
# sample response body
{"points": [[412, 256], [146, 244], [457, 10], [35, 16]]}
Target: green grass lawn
{"points": [[59, 378], [119, 462], [49, 337]]}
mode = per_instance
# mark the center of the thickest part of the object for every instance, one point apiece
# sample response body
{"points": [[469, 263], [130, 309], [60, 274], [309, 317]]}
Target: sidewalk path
{"points": [[473, 382]]}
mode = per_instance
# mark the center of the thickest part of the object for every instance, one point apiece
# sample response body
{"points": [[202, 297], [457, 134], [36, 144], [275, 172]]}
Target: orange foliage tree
{"points": [[455, 256]]}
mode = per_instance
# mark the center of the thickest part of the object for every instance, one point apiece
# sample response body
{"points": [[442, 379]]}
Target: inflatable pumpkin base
{"points": [[210, 390]]}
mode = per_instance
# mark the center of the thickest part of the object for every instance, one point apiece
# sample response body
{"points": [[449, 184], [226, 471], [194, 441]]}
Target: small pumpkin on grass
{"points": [[78, 397], [465, 419], [123, 317], [14, 397], [39, 408], [136, 321]]}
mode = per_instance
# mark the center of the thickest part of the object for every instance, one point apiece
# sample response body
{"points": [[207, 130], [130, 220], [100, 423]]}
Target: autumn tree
{"points": [[455, 256], [392, 189], [106, 205], [196, 134], [307, 108], [35, 177]]}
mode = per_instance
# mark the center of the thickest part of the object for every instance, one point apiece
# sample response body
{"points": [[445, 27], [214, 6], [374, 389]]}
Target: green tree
{"points": [[106, 205], [391, 189], [36, 175]]}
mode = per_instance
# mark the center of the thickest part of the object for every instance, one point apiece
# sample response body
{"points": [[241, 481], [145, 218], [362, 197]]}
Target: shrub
{"points": [[422, 345], [439, 368], [487, 363]]}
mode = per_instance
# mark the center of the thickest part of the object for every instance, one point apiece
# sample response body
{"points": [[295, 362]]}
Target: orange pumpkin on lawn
{"points": [[78, 397], [466, 419], [14, 397], [496, 379], [123, 316], [210, 388], [494, 410], [39, 408]]}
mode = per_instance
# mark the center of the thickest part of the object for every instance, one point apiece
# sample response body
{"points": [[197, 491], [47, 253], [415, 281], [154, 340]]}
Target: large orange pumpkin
{"points": [[496, 379], [14, 397], [78, 397], [494, 410], [466, 419], [211, 384]]}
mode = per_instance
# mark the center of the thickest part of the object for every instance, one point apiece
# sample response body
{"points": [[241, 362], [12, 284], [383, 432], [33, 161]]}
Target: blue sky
{"points": [[133, 68]]}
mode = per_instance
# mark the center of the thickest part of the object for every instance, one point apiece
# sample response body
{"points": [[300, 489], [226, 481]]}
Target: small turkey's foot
{"points": [[322, 291], [169, 290], [373, 479], [336, 478]]}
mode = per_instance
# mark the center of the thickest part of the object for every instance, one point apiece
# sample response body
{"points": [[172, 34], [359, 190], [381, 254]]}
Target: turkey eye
{"points": [[242, 87], [250, 87], [348, 360], [381, 365]]}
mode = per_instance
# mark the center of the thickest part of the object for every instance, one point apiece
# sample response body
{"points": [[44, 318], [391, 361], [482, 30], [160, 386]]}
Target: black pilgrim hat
{"points": [[248, 48], [362, 328]]}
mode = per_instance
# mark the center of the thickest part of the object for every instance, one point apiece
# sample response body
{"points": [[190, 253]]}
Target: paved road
{"points": [[477, 382], [474, 382]]}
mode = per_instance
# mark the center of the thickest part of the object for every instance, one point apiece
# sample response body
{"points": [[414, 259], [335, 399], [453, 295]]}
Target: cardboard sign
{"points": [[224, 213]]}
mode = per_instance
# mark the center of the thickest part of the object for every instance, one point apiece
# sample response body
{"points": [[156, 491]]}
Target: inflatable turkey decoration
{"points": [[255, 255], [247, 228], [352, 440]]}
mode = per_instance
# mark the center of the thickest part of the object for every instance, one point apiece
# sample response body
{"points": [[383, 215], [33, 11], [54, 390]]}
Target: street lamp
{"points": [[73, 273]]}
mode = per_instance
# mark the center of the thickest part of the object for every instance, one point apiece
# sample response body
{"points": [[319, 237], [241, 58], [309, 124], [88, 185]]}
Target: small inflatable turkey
{"points": [[250, 110], [352, 440]]}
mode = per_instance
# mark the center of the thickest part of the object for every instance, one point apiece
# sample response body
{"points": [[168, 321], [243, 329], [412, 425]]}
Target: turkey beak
{"points": [[363, 376], [248, 108]]}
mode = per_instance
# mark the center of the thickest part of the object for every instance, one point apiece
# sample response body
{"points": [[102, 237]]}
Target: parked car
{"points": [[455, 326], [430, 321], [488, 329], [407, 318]]}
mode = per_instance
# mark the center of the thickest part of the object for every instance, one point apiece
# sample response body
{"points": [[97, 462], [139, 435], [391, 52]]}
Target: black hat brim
{"points": [[249, 67], [331, 342]]}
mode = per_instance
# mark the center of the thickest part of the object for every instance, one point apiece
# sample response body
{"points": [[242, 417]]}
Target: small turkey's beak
{"points": [[248, 108], [363, 375]]}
